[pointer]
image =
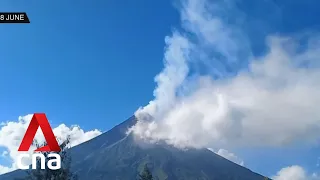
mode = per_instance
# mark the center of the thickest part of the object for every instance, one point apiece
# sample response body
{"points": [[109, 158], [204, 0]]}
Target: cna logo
{"points": [[54, 162]]}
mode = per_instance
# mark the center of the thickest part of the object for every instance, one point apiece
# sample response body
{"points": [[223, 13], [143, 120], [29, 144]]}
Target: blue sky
{"points": [[93, 63], [79, 61]]}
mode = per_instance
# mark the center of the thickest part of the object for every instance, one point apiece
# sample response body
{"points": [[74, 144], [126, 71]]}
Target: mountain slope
{"points": [[113, 155], [124, 159]]}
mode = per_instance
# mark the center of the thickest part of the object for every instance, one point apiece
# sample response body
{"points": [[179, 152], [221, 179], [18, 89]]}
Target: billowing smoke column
{"points": [[204, 98]]}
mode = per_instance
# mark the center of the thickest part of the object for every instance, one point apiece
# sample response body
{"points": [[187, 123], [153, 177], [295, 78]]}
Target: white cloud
{"points": [[228, 155], [294, 173], [274, 103], [12, 132], [4, 169], [77, 135]]}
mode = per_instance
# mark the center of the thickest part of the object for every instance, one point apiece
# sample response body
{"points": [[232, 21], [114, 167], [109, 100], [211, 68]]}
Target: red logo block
{"points": [[40, 119]]}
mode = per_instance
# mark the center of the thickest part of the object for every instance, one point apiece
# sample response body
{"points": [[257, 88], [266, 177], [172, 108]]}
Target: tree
{"points": [[146, 174], [64, 173]]}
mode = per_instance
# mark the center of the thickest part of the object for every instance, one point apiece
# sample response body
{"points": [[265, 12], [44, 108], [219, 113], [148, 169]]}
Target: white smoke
{"points": [[272, 103]]}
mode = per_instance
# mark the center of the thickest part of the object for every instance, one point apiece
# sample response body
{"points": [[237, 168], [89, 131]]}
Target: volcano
{"points": [[116, 156]]}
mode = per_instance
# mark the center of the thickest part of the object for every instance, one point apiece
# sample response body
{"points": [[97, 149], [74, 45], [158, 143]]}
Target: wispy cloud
{"points": [[228, 155]]}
